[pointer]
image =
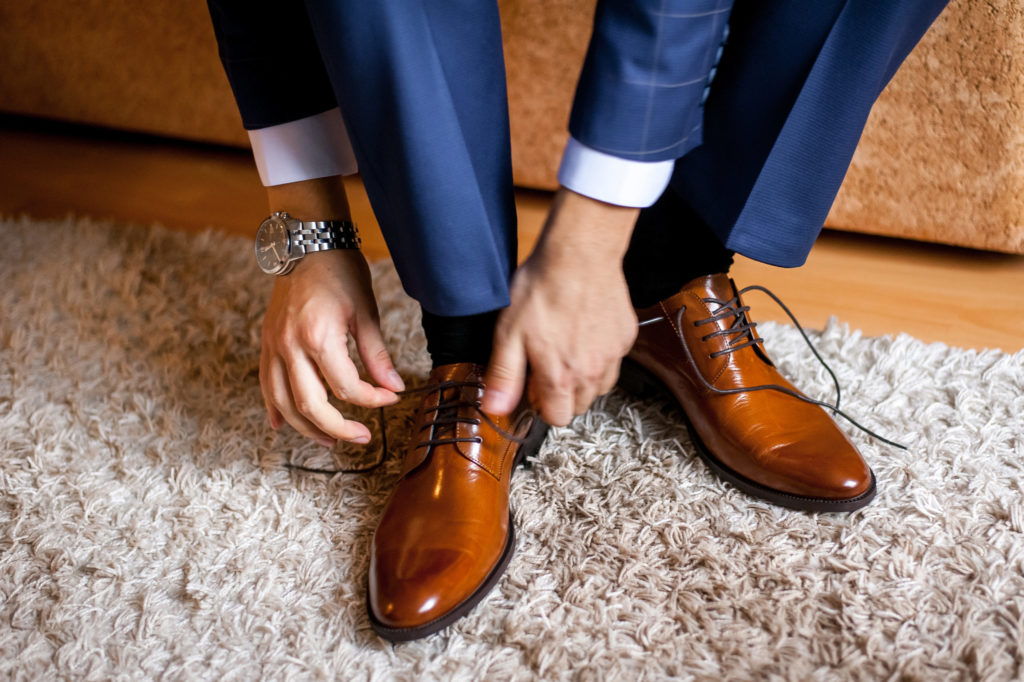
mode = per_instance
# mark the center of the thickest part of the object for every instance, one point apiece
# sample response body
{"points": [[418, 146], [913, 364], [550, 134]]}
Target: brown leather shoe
{"points": [[701, 346], [446, 535]]}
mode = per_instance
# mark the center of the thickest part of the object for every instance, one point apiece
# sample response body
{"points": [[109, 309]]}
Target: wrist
{"points": [[316, 199], [583, 228], [285, 239], [343, 275]]}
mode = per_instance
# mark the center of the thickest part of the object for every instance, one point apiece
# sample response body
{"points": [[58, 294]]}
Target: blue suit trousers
{"points": [[761, 101]]}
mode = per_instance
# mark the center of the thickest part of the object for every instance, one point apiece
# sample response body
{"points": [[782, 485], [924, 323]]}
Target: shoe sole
{"points": [[639, 381], [530, 446]]}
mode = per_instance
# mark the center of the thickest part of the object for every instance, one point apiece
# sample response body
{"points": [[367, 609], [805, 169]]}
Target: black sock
{"points": [[671, 245], [463, 338]]}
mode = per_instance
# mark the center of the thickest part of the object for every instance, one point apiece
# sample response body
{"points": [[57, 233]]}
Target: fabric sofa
{"points": [[942, 158]]}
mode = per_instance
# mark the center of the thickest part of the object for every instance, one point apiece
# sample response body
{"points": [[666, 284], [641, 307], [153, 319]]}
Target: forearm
{"points": [[317, 199], [570, 318], [586, 230]]}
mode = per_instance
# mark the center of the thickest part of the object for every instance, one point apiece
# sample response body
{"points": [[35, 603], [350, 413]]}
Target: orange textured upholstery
{"points": [[942, 158]]}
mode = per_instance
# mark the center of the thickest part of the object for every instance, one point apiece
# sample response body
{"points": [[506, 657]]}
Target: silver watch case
{"points": [[282, 240], [274, 252]]}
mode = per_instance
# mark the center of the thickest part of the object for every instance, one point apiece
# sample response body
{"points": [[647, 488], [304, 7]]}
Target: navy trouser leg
{"points": [[421, 87], [271, 59], [792, 94]]}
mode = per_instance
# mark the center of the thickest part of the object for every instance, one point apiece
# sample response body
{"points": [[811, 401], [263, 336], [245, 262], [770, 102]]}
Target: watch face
{"points": [[273, 245]]}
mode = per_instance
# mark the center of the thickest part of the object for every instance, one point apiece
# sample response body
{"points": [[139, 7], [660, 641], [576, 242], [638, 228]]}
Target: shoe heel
{"points": [[637, 381], [531, 444]]}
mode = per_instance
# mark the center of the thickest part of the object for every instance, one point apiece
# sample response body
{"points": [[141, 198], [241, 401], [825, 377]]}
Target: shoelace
{"points": [[741, 334], [445, 421], [743, 330]]}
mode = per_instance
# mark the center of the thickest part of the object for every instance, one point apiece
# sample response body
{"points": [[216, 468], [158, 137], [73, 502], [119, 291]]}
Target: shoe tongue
{"points": [[720, 287], [457, 371], [717, 285]]}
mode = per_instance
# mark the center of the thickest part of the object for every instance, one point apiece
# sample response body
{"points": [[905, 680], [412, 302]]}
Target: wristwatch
{"points": [[282, 240]]}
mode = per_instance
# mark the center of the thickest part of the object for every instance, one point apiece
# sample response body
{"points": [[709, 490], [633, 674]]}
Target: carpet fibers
{"points": [[147, 528]]}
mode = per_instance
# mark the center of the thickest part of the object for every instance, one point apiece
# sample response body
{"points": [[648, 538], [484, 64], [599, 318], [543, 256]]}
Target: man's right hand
{"points": [[313, 310]]}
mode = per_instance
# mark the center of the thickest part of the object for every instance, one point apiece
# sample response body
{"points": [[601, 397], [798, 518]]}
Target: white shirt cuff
{"points": [[611, 179], [313, 147]]}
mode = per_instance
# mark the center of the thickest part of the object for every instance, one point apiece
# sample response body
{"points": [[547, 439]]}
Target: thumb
{"points": [[505, 377], [375, 356]]}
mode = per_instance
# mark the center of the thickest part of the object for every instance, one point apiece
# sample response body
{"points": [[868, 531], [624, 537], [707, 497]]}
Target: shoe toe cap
{"points": [[833, 471], [412, 588]]}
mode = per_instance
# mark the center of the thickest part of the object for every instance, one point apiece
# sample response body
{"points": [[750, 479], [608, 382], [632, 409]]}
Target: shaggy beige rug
{"points": [[147, 531]]}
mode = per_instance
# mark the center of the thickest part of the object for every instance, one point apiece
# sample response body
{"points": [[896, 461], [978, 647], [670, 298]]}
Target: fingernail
{"points": [[326, 442], [361, 440], [396, 378]]}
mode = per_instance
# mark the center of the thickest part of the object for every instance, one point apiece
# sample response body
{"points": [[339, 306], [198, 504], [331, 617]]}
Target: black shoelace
{"points": [[442, 429], [742, 333]]}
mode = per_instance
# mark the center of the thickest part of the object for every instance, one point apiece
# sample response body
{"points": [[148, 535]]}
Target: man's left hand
{"points": [[570, 319]]}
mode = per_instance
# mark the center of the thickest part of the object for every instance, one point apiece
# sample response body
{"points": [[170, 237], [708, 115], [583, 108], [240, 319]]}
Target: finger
{"points": [[377, 360], [274, 415], [532, 397], [610, 378], [505, 376], [341, 375], [310, 399], [279, 395], [553, 397], [583, 397]]}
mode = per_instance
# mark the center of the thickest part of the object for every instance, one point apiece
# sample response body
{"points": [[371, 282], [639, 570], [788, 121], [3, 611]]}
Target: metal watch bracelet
{"points": [[322, 235]]}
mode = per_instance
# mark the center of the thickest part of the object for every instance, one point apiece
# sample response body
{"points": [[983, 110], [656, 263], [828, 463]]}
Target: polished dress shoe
{"points": [[446, 535], [748, 423]]}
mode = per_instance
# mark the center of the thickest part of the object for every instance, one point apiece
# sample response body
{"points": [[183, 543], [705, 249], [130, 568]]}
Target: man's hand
{"points": [[312, 311], [570, 317]]}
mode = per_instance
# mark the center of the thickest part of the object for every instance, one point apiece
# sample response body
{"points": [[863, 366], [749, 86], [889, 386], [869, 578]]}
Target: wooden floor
{"points": [[881, 286]]}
